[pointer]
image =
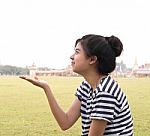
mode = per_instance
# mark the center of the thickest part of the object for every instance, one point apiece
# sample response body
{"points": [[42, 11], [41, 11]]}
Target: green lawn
{"points": [[24, 110]]}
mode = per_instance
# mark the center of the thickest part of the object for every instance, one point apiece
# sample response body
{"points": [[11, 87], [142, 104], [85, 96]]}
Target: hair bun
{"points": [[115, 44]]}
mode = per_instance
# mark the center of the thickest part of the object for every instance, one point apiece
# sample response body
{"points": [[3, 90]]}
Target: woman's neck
{"points": [[93, 79]]}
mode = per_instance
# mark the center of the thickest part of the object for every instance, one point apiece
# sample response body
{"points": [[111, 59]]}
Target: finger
{"points": [[36, 78], [23, 77], [27, 78]]}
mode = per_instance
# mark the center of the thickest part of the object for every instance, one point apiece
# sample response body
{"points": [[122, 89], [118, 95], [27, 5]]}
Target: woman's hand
{"points": [[35, 81]]}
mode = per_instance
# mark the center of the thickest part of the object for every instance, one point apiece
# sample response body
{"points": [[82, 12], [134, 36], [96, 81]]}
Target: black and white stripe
{"points": [[107, 102]]}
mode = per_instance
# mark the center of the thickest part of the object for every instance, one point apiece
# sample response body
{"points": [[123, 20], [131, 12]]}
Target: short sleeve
{"points": [[78, 93], [103, 107]]}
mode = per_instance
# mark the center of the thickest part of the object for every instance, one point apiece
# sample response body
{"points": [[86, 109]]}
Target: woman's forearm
{"points": [[60, 116]]}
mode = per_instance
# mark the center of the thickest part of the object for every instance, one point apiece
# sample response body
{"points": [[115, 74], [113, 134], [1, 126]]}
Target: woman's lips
{"points": [[72, 63]]}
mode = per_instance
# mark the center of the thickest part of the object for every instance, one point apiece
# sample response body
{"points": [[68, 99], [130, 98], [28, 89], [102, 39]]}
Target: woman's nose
{"points": [[71, 57]]}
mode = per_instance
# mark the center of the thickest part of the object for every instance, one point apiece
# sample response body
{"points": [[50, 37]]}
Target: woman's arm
{"points": [[97, 127], [64, 119]]}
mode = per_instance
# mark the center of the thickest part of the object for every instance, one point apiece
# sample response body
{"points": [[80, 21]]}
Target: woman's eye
{"points": [[76, 52]]}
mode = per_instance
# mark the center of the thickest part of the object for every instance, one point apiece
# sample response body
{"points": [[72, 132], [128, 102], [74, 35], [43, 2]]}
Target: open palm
{"points": [[35, 81]]}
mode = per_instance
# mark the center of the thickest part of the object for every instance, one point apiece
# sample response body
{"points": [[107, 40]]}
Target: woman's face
{"points": [[80, 62]]}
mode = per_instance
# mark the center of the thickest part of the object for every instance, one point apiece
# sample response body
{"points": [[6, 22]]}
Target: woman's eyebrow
{"points": [[77, 49]]}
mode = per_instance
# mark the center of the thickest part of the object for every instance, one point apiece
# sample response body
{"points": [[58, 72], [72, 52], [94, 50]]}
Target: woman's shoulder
{"points": [[109, 85]]}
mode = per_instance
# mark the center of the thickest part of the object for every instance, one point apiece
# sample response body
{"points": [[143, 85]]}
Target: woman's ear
{"points": [[93, 59]]}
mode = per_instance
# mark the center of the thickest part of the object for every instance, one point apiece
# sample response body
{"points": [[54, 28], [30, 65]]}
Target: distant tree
{"points": [[13, 70]]}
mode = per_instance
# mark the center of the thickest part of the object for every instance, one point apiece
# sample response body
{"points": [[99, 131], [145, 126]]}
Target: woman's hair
{"points": [[106, 49]]}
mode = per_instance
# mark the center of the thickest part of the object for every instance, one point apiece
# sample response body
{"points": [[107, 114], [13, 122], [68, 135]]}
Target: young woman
{"points": [[100, 101]]}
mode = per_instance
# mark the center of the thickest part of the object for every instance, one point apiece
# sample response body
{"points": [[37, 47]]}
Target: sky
{"points": [[44, 31]]}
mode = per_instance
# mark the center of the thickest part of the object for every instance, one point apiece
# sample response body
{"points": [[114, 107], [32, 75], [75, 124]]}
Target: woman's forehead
{"points": [[78, 46]]}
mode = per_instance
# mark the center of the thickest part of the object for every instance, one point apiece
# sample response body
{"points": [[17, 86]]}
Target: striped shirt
{"points": [[106, 102]]}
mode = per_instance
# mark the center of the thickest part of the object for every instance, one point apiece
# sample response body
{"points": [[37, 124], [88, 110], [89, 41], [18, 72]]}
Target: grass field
{"points": [[24, 109]]}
